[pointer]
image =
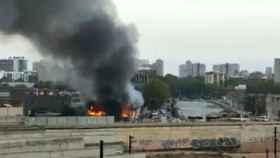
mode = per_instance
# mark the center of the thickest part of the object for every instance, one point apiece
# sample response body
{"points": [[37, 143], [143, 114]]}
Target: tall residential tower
{"points": [[277, 70], [190, 69], [230, 70], [13, 64]]}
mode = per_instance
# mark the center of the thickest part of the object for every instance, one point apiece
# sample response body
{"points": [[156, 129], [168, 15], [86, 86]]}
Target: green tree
{"points": [[263, 86], [172, 82], [232, 82], [191, 87], [156, 93]]}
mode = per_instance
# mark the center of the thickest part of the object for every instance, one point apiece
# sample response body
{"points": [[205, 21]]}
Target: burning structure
{"points": [[96, 49], [95, 110], [121, 112]]}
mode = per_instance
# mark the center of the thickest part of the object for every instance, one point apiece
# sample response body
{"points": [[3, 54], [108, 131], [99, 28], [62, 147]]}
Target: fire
{"points": [[96, 111], [127, 112], [124, 112]]}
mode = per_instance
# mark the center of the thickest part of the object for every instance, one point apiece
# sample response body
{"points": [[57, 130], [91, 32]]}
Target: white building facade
{"points": [[215, 78], [27, 76]]}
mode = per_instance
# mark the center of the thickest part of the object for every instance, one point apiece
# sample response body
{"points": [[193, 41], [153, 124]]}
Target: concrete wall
{"points": [[76, 153], [42, 145], [67, 121], [47, 146], [11, 115], [249, 138], [11, 111], [11, 120]]}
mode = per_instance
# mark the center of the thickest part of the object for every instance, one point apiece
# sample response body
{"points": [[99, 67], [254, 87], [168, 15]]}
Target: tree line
{"points": [[160, 89]]}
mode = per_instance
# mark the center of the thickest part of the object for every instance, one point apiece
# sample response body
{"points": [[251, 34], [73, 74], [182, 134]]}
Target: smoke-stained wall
{"points": [[86, 36]]}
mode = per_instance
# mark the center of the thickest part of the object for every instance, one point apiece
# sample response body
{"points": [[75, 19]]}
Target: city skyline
{"points": [[22, 47], [213, 32], [209, 67]]}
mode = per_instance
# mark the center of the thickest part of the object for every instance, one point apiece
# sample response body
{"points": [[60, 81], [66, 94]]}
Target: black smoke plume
{"points": [[85, 33]]}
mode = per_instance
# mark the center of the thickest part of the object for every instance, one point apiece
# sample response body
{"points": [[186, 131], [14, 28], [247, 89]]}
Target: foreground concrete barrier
{"points": [[11, 120], [110, 150], [241, 137], [11, 111], [219, 137], [42, 145], [64, 122]]}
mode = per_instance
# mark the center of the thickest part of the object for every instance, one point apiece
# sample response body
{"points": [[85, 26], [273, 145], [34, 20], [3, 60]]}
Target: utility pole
{"points": [[101, 148], [275, 142], [130, 144]]}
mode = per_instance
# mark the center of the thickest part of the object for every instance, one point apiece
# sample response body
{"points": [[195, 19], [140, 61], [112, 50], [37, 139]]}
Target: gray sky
{"points": [[207, 31]]}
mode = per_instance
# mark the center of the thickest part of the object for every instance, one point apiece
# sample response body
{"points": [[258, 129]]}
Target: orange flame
{"points": [[127, 112], [95, 111]]}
